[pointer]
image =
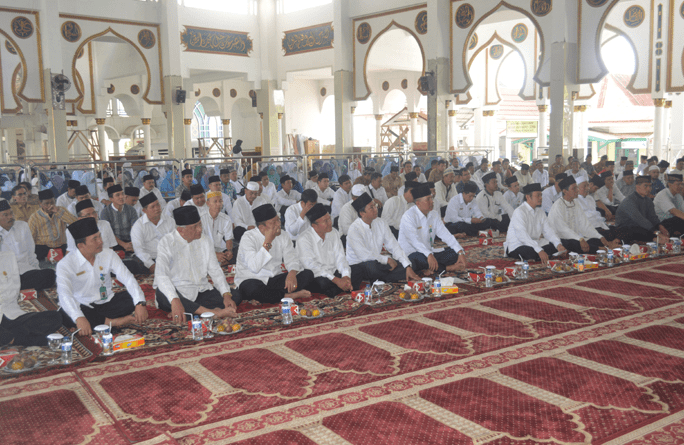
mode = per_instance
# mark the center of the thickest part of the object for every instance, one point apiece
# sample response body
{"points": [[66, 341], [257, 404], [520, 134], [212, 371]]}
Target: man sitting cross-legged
{"points": [[218, 227], [463, 214], [149, 230]]}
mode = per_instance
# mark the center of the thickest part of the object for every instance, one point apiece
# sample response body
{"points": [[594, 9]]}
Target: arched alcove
{"points": [[245, 124]]}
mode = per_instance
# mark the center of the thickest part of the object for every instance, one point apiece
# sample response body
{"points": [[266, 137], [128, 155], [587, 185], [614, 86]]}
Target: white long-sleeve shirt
{"points": [[594, 216], [158, 194], [106, 232], [602, 195], [219, 230], [529, 227], [79, 282], [663, 202], [394, 209], [242, 211], [380, 194], [418, 232], [347, 217], [96, 204], [459, 211], [549, 196], [325, 197], [20, 241], [339, 199], [494, 205], [9, 286], [321, 256], [184, 266], [287, 199], [64, 200], [523, 180], [569, 221], [201, 210], [541, 177], [170, 207], [254, 262], [581, 173], [295, 225], [268, 193], [513, 199], [364, 243], [444, 194], [145, 237]]}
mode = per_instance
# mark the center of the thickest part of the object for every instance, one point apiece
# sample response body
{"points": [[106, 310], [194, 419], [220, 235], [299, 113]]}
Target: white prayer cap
{"points": [[358, 190], [653, 167], [449, 170], [253, 186], [580, 180]]}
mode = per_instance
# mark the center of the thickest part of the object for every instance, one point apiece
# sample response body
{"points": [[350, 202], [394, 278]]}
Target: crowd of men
{"points": [[289, 244]]}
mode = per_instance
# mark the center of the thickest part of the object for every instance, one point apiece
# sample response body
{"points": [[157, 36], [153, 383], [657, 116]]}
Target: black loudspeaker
{"points": [[427, 84], [254, 102], [180, 96]]}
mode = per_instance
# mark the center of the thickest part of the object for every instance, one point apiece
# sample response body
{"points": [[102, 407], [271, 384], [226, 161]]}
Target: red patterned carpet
{"points": [[589, 358]]}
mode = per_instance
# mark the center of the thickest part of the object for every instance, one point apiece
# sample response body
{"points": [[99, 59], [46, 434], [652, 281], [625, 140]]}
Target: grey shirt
{"points": [[624, 188], [637, 211]]}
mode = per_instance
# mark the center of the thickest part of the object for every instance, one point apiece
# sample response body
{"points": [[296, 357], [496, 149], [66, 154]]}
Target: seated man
{"points": [[626, 184], [84, 284], [377, 192], [242, 210], [186, 182], [83, 193], [15, 236], [365, 179], [492, 204], [530, 237], [313, 179], [656, 184], [669, 205], [296, 221], [571, 224], [121, 217], [396, 206], [286, 196], [69, 196], [636, 218], [149, 187], [465, 178], [463, 214], [588, 205], [320, 250], [102, 194], [392, 182], [437, 173], [268, 188], [367, 235], [21, 208], [19, 328], [513, 196], [48, 225], [445, 190], [576, 171], [419, 227], [552, 193], [609, 194], [263, 250], [175, 203], [540, 176], [85, 209], [523, 175], [148, 230], [341, 197], [185, 257], [480, 172], [348, 214], [218, 227], [420, 176], [226, 186], [215, 186], [235, 182], [629, 165], [198, 199]]}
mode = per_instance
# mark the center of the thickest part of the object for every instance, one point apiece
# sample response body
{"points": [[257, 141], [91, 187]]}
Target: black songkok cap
{"points": [[362, 201], [284, 179], [642, 179], [132, 191], [82, 190], [524, 167], [44, 195], [598, 181], [185, 195], [512, 180], [313, 173], [420, 192], [567, 182], [72, 184], [411, 185], [114, 189], [317, 211], [609, 163], [264, 213], [394, 168], [606, 174], [342, 179], [4, 205], [107, 180], [147, 200], [430, 184], [410, 176], [213, 179], [148, 177], [488, 177], [663, 164], [323, 176], [82, 205], [224, 171], [532, 187], [186, 215], [674, 177], [628, 173], [469, 164], [623, 158], [196, 189], [560, 176], [83, 228], [187, 171], [604, 157]]}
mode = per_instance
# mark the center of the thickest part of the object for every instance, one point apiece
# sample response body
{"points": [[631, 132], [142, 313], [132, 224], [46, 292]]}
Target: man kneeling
{"points": [[84, 284], [262, 251]]}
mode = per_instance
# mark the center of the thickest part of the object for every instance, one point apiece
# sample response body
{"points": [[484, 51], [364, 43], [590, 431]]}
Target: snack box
{"points": [[449, 289], [587, 265], [127, 342], [28, 295], [486, 241], [640, 256]]}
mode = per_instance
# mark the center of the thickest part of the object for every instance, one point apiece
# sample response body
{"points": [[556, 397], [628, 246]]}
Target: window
{"points": [[232, 6], [289, 6], [120, 110], [207, 126]]}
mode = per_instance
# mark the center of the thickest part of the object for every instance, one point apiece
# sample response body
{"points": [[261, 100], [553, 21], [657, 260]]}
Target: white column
{"points": [[378, 131], [677, 132], [101, 138], [479, 134], [578, 135], [487, 125], [413, 116], [148, 137], [187, 123], [658, 127], [493, 130], [542, 140], [351, 122], [12, 143], [226, 132], [667, 141], [453, 129], [115, 143], [280, 135]]}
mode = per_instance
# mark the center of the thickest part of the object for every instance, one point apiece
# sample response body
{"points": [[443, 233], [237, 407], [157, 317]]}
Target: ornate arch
{"points": [[15, 93]]}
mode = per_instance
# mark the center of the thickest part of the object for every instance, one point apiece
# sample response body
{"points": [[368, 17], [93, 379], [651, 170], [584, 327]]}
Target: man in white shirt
{"points": [[69, 196], [322, 189], [341, 197], [215, 186], [626, 183], [185, 257], [530, 236], [84, 284], [176, 202], [132, 195], [492, 204], [348, 214], [568, 220], [242, 210], [366, 238], [420, 176], [407, 167], [480, 172], [396, 206], [85, 209], [82, 193], [588, 205], [15, 236], [268, 191], [263, 250], [641, 169], [237, 185], [553, 193], [312, 181], [610, 195], [575, 171], [320, 250], [19, 328], [540, 176], [445, 190], [523, 175], [629, 166], [463, 214], [149, 230], [198, 200], [149, 187], [286, 196], [377, 191], [296, 221], [669, 205], [420, 225], [103, 195], [218, 227], [513, 195], [679, 167], [496, 168]]}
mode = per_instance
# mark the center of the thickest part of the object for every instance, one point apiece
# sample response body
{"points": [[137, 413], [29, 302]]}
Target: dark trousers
{"points": [[238, 232], [335, 223], [343, 238], [471, 229], [283, 209], [325, 286], [613, 209], [573, 245], [30, 329], [372, 271], [529, 254], [442, 210], [38, 279], [609, 233], [673, 225], [120, 305], [274, 290], [395, 232], [445, 258], [628, 235], [209, 299], [501, 226], [135, 266], [42, 251]]}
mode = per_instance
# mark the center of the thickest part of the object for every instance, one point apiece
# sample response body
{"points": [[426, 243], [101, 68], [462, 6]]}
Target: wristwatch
{"points": [[268, 246], [143, 303]]}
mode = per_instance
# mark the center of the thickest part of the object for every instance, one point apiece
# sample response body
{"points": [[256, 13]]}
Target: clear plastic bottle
{"points": [[107, 343], [489, 278], [368, 293], [525, 270], [609, 258], [437, 287], [197, 328], [66, 350], [287, 312]]}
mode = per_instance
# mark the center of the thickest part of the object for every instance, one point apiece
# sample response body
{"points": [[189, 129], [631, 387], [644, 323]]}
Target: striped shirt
{"points": [[22, 212], [121, 221], [50, 231]]}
